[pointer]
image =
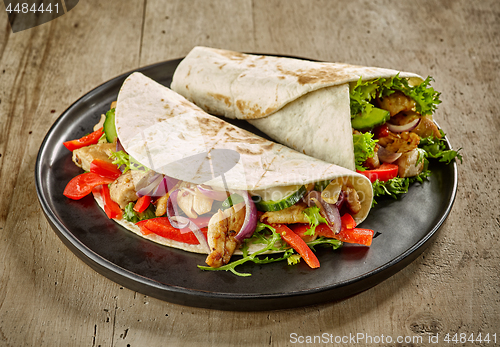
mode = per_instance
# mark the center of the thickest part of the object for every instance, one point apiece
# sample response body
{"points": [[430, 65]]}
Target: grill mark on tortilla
{"points": [[221, 97], [327, 73], [213, 127], [247, 151], [232, 55], [254, 111]]}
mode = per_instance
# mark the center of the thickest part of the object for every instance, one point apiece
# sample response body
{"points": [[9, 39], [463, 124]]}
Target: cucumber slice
{"points": [[109, 126], [233, 199], [278, 198]]}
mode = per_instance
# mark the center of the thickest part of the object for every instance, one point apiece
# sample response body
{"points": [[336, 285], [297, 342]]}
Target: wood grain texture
{"points": [[48, 297]]}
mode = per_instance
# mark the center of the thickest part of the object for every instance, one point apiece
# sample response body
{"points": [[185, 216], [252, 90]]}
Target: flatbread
{"points": [[299, 103], [163, 131]]}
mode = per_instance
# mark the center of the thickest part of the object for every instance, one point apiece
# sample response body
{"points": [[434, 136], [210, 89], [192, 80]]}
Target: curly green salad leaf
{"points": [[261, 235], [364, 148], [130, 215], [314, 218], [122, 159], [437, 149], [267, 235], [397, 186], [362, 93]]}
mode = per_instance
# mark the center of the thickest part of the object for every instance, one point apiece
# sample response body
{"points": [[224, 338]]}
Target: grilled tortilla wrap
{"points": [[301, 104], [168, 134]]}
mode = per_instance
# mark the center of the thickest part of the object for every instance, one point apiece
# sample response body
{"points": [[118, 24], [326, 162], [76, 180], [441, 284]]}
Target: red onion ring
{"points": [[341, 200], [405, 127], [248, 227], [329, 211], [148, 190], [386, 156], [213, 194]]}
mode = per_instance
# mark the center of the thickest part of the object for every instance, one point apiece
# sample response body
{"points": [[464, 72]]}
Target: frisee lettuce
{"points": [[267, 235], [126, 162], [438, 149], [260, 236], [364, 148], [362, 94], [314, 218], [395, 187]]}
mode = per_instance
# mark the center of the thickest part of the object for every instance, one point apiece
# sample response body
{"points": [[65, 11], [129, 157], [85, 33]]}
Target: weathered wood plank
{"points": [[50, 298], [47, 296], [172, 29]]}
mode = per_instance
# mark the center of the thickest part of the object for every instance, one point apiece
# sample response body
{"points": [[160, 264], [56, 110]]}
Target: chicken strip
{"points": [[407, 164], [222, 230], [289, 215], [396, 102], [82, 157]]}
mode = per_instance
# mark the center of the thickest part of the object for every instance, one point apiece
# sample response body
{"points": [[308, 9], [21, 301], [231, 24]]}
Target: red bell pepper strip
{"points": [[294, 241], [300, 230], [162, 227], [142, 204], [105, 168], [90, 139], [82, 185], [111, 208], [384, 173], [347, 234], [347, 221]]}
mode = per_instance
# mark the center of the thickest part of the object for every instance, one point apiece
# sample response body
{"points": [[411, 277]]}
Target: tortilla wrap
{"points": [[299, 103], [168, 134]]}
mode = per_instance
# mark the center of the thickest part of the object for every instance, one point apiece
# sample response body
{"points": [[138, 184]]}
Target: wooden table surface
{"points": [[49, 297]]}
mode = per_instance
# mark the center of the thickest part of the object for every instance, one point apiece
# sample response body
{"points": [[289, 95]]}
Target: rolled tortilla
{"points": [[168, 134], [299, 103]]}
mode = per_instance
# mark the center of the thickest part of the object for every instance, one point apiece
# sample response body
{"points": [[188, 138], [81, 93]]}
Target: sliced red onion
{"points": [[172, 209], [386, 156], [152, 185], [179, 222], [213, 194], [341, 200], [405, 127], [165, 185], [161, 189], [250, 223], [332, 215], [329, 211]]}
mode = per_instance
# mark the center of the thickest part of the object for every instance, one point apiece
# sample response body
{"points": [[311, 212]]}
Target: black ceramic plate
{"points": [[405, 229]]}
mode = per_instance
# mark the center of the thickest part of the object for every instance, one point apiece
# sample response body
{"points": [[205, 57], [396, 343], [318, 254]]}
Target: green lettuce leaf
{"points": [[364, 148], [261, 235], [362, 93], [437, 149], [130, 215], [122, 159], [314, 218]]}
